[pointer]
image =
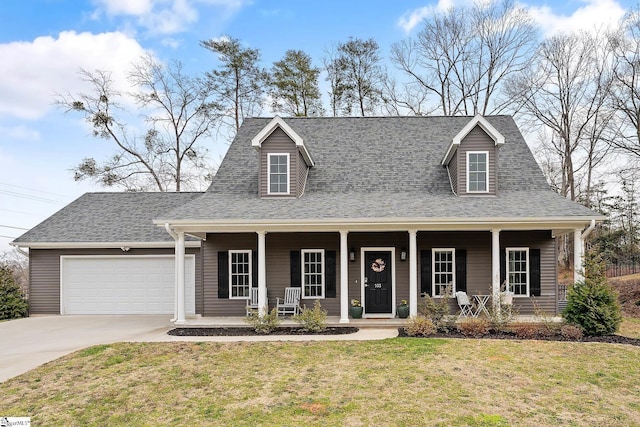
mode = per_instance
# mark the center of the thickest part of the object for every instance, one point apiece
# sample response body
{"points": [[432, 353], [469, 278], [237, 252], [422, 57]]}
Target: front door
{"points": [[378, 282]]}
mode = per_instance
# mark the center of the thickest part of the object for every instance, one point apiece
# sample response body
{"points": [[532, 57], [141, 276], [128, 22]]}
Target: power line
{"points": [[8, 237], [18, 212], [16, 228], [30, 189], [30, 197]]}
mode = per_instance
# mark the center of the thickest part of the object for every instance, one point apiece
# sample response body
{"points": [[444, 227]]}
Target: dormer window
{"points": [[477, 171], [278, 173]]}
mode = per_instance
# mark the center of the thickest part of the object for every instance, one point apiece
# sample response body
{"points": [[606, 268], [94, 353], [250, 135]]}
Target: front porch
{"points": [[378, 268]]}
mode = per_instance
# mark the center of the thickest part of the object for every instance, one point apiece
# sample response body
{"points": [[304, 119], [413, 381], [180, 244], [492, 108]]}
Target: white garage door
{"points": [[123, 284]]}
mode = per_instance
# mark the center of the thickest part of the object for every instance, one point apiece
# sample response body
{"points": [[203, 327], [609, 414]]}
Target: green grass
{"points": [[399, 382]]}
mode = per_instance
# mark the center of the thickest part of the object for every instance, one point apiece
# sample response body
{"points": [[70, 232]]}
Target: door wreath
{"points": [[378, 265]]}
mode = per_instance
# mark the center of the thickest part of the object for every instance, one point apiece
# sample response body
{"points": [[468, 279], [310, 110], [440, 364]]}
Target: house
{"points": [[376, 209]]}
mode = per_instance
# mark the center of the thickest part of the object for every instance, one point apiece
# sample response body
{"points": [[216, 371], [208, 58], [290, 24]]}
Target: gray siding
{"points": [[303, 171], [279, 142], [278, 247], [476, 140], [44, 270], [453, 172]]}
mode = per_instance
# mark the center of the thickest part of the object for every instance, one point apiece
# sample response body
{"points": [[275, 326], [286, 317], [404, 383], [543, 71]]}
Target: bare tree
{"points": [[335, 77], [178, 113], [462, 57], [566, 91], [239, 82], [625, 88]]}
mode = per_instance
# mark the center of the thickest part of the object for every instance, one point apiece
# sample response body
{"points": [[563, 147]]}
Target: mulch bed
{"points": [[609, 339], [246, 331]]}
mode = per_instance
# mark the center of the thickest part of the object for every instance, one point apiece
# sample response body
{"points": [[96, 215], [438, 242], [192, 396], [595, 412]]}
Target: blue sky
{"points": [[44, 43]]}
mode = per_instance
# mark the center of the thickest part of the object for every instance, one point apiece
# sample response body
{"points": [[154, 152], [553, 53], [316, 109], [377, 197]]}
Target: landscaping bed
{"points": [[506, 335], [247, 331]]}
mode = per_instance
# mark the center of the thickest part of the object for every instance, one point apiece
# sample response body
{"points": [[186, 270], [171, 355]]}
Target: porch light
{"points": [[403, 254], [352, 254]]}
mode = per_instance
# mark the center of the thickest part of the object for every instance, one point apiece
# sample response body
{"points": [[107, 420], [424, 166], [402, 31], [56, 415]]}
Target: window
{"points": [[443, 271], [477, 172], [313, 273], [518, 271], [278, 174], [240, 274]]}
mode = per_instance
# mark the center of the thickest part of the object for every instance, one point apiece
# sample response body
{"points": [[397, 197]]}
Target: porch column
{"points": [[344, 277], [578, 253], [495, 264], [180, 315], [262, 274], [413, 273]]}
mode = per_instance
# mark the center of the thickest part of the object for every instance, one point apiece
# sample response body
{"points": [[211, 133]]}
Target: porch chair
{"points": [[252, 301], [466, 308], [290, 304], [506, 298]]}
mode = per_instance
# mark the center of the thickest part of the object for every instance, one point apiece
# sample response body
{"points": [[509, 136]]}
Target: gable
{"points": [[278, 145], [477, 121]]}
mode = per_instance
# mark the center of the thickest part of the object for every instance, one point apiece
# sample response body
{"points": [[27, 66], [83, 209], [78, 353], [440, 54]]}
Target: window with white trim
{"points": [[278, 175], [312, 273], [443, 271], [477, 171], [239, 274], [518, 271]]}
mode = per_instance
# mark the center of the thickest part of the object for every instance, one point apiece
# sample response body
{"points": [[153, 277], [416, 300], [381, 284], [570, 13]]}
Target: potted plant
{"points": [[403, 309], [356, 309]]}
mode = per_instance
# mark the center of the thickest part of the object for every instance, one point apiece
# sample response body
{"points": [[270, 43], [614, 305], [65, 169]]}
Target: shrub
{"points": [[420, 326], [503, 314], [437, 310], [312, 319], [592, 304], [532, 331], [264, 324], [12, 302], [571, 332], [474, 327]]}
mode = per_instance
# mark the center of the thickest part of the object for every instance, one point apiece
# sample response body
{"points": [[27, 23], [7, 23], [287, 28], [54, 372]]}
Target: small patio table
{"points": [[481, 304]]}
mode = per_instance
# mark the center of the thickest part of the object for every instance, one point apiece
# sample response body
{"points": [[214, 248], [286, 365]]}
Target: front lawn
{"points": [[402, 381]]}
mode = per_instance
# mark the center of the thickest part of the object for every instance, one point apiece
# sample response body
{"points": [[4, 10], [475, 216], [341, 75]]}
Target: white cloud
{"points": [[409, 20], [591, 15], [165, 16], [595, 14], [34, 71]]}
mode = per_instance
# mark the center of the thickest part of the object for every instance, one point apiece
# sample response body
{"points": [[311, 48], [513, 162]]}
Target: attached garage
{"points": [[104, 284]]}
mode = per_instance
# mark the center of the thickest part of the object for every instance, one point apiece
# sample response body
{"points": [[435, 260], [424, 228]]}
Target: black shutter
{"points": [[461, 270], [330, 274], [223, 275], [296, 279], [534, 272], [503, 266], [254, 269], [425, 272]]}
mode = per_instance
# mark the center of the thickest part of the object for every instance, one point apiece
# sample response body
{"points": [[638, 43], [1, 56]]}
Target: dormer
{"points": [[472, 157], [284, 160]]}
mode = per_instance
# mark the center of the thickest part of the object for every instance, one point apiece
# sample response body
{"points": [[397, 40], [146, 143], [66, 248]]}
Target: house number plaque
{"points": [[377, 285]]}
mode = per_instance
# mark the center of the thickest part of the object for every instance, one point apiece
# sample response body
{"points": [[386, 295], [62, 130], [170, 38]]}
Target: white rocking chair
{"points": [[252, 301], [466, 308], [290, 304]]}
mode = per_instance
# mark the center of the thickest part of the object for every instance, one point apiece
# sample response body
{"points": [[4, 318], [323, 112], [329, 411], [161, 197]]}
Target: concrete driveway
{"points": [[28, 343]]}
